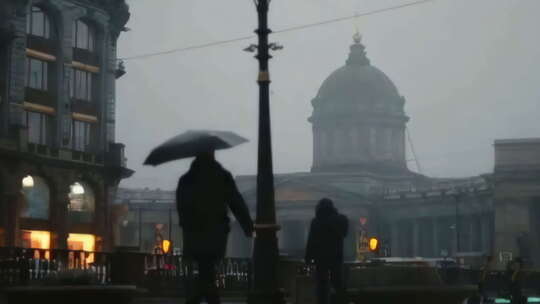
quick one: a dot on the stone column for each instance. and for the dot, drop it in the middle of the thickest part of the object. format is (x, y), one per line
(435, 227)
(324, 147)
(4, 100)
(415, 238)
(394, 240)
(16, 66)
(64, 115)
(484, 234)
(13, 202)
(372, 133)
(401, 147)
(350, 241)
(59, 215)
(104, 199)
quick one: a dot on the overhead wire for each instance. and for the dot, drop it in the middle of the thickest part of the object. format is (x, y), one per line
(285, 30)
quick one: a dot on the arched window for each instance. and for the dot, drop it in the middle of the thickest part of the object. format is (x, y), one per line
(38, 23)
(84, 36)
(36, 198)
(82, 203)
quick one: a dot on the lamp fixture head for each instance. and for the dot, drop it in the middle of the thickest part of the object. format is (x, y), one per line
(28, 182)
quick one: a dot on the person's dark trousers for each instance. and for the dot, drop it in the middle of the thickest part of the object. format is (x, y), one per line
(329, 275)
(517, 295)
(205, 286)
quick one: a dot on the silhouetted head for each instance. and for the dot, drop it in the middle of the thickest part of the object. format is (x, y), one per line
(325, 207)
(204, 162)
(205, 157)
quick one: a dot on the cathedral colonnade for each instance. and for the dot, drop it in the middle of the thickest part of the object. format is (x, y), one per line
(358, 144)
(437, 236)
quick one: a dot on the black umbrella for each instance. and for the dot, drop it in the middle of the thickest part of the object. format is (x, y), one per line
(191, 143)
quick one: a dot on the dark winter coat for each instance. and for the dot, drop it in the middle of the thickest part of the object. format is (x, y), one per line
(203, 197)
(326, 234)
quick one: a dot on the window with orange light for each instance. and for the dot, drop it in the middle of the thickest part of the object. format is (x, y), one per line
(36, 239)
(83, 242)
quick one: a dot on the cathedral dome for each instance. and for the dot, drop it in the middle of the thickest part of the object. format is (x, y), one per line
(358, 83)
(358, 119)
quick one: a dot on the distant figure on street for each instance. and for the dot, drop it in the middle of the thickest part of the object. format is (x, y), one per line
(486, 268)
(204, 196)
(325, 249)
(514, 279)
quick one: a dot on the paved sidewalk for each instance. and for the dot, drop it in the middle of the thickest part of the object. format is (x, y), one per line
(143, 300)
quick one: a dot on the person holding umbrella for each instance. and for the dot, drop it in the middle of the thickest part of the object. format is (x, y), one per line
(204, 196)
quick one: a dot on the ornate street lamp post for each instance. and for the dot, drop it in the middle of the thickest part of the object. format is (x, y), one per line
(265, 253)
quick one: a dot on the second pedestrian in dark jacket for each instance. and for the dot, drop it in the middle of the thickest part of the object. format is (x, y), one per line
(325, 248)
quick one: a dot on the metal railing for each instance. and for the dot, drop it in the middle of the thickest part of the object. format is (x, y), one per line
(23, 266)
(172, 274)
(160, 274)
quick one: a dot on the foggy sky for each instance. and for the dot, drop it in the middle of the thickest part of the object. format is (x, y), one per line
(468, 69)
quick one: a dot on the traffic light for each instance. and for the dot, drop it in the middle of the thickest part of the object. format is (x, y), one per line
(166, 246)
(374, 244)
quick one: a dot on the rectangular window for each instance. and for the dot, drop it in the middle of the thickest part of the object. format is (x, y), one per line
(80, 85)
(36, 74)
(37, 127)
(83, 36)
(81, 135)
(38, 23)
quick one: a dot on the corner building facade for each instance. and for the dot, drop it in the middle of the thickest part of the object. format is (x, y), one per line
(60, 163)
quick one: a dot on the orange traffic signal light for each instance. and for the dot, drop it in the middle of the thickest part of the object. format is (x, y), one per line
(373, 244)
(166, 246)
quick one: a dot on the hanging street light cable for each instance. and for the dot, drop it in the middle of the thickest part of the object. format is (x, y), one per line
(285, 30)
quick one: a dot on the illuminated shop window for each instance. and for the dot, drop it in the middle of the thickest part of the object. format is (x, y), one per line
(36, 239)
(82, 242)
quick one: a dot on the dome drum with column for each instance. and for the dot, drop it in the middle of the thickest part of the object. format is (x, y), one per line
(358, 119)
